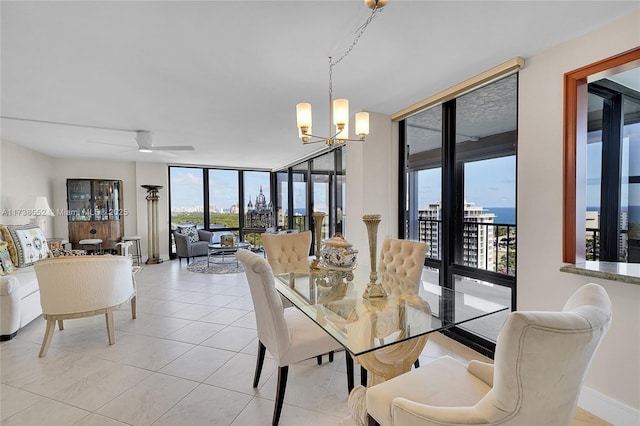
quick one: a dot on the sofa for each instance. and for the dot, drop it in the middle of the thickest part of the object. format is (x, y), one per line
(19, 292)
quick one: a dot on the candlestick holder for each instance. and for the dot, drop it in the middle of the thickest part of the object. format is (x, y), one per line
(374, 289)
(318, 217)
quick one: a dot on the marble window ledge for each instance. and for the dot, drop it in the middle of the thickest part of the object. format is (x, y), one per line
(614, 271)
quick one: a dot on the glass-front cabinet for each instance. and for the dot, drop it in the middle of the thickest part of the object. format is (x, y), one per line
(95, 210)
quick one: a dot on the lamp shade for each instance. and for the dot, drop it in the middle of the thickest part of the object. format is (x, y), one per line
(340, 112)
(41, 207)
(362, 124)
(303, 116)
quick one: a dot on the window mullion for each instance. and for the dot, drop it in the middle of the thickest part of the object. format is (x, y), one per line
(611, 179)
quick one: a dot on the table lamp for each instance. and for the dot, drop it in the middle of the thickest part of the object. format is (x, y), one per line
(39, 212)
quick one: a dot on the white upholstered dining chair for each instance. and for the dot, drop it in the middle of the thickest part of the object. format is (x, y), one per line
(82, 286)
(541, 360)
(403, 261)
(288, 252)
(289, 336)
(403, 258)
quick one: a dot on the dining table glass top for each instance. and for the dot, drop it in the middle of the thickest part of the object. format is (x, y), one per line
(333, 299)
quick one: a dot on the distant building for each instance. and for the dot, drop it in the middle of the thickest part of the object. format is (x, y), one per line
(259, 215)
(478, 247)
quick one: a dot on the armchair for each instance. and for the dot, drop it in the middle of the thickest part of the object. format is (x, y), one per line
(541, 360)
(82, 286)
(191, 242)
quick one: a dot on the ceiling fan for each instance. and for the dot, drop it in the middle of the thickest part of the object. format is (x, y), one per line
(145, 144)
(143, 137)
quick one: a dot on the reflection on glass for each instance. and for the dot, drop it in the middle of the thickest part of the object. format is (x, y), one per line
(481, 296)
(485, 149)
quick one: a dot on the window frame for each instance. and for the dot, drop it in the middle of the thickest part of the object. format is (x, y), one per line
(575, 133)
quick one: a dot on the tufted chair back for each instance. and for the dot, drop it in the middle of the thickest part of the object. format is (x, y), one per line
(404, 258)
(288, 252)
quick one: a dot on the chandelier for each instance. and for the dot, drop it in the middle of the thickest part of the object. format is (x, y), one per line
(338, 108)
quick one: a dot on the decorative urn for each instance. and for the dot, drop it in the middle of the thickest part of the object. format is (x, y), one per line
(336, 252)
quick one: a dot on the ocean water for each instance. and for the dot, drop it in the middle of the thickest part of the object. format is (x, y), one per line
(504, 215)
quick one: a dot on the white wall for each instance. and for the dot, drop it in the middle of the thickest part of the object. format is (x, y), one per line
(24, 174)
(615, 371)
(372, 184)
(153, 174)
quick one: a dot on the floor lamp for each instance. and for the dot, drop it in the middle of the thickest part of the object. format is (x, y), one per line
(152, 223)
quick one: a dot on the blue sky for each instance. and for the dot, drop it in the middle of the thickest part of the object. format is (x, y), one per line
(488, 183)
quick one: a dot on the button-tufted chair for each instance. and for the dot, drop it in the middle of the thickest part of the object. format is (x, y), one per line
(541, 360)
(288, 252)
(404, 258)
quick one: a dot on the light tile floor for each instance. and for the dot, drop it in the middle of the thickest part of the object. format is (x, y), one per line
(188, 359)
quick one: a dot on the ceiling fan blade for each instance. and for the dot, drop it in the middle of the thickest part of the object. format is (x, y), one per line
(110, 144)
(173, 148)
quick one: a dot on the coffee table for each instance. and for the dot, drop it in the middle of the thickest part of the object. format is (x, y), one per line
(216, 249)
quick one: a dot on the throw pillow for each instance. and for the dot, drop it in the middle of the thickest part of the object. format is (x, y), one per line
(6, 265)
(57, 252)
(29, 243)
(191, 233)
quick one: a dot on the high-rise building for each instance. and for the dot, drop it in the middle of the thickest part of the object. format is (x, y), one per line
(478, 246)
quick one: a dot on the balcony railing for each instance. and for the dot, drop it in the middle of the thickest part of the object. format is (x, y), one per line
(487, 246)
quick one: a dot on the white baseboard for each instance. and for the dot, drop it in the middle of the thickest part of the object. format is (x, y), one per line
(608, 409)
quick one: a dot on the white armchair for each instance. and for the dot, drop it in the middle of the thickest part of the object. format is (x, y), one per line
(83, 286)
(540, 362)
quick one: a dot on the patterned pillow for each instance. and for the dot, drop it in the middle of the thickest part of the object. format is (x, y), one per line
(6, 265)
(56, 252)
(191, 233)
(27, 244)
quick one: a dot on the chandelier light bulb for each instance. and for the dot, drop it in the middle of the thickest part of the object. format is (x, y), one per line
(303, 114)
(362, 124)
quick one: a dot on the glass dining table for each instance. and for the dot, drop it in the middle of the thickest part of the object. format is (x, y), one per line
(385, 335)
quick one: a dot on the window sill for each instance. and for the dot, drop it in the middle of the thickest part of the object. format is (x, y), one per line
(614, 271)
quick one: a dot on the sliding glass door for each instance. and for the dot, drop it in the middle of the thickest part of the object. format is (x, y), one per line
(460, 194)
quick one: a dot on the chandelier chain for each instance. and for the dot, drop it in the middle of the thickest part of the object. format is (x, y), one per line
(359, 33)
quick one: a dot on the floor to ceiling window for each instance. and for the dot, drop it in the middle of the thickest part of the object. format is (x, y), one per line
(238, 201)
(316, 184)
(460, 197)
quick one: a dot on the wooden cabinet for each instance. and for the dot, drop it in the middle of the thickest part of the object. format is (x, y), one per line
(95, 211)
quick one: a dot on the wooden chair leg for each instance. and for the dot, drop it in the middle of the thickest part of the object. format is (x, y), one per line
(371, 421)
(48, 334)
(60, 325)
(259, 362)
(110, 326)
(349, 361)
(283, 372)
(134, 311)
